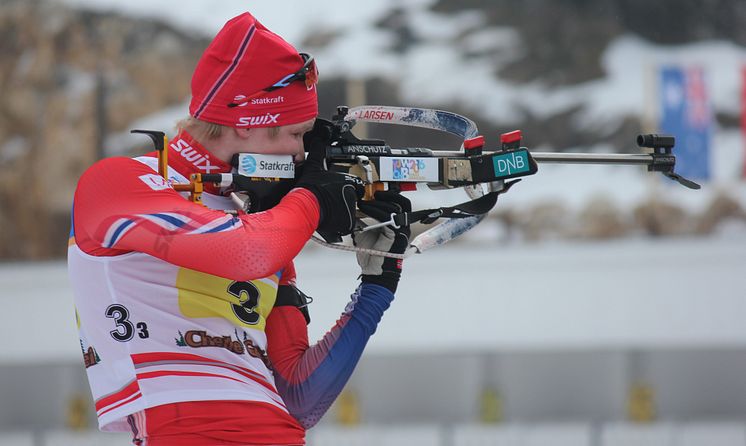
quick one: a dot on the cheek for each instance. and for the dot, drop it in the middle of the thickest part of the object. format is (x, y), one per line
(283, 145)
(286, 145)
(295, 144)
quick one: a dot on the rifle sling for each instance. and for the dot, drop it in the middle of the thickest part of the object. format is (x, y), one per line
(471, 208)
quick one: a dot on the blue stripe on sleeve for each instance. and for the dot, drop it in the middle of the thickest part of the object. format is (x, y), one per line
(222, 227)
(119, 230)
(72, 221)
(170, 219)
(309, 400)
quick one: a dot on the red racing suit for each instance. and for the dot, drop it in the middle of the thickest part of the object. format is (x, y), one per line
(175, 305)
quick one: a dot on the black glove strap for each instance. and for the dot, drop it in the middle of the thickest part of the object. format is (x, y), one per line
(289, 295)
(471, 208)
(388, 280)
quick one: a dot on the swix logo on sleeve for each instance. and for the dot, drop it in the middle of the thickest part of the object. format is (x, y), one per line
(155, 182)
(248, 121)
(200, 161)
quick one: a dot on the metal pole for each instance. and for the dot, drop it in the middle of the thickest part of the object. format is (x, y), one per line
(592, 158)
(577, 158)
(356, 95)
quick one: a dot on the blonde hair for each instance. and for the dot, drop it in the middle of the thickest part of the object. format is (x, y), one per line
(207, 131)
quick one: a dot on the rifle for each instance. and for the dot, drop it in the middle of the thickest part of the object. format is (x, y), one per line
(381, 166)
(484, 175)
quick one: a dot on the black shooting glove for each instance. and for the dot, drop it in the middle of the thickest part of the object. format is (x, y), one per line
(384, 271)
(336, 192)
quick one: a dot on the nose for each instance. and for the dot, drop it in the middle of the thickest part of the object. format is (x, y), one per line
(300, 155)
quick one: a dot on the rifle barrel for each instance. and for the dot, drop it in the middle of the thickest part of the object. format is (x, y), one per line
(578, 158)
(593, 158)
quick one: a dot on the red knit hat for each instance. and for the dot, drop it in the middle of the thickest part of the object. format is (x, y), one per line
(230, 83)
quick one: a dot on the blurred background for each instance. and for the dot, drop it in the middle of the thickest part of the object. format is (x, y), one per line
(596, 305)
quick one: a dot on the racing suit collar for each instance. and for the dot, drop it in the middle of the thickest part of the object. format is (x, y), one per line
(188, 156)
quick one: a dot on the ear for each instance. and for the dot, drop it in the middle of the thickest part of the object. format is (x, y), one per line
(242, 133)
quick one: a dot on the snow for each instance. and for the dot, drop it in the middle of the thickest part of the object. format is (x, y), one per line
(642, 293)
(39, 313)
(362, 50)
(504, 39)
(439, 27)
(608, 295)
(436, 71)
(631, 64)
(293, 20)
(165, 120)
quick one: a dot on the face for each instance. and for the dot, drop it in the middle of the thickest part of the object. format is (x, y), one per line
(289, 141)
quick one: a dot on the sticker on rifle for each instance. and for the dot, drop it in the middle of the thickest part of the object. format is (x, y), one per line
(409, 169)
(512, 163)
(266, 166)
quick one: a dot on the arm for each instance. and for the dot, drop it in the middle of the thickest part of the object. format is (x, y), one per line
(310, 378)
(119, 207)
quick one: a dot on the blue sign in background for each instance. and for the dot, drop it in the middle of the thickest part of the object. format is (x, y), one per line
(686, 114)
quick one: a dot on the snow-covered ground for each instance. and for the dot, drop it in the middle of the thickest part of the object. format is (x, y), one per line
(686, 292)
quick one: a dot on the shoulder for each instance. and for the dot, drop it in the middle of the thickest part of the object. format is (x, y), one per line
(118, 165)
(120, 170)
(120, 180)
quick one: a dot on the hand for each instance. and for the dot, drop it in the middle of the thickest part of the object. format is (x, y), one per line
(315, 142)
(384, 271)
(337, 193)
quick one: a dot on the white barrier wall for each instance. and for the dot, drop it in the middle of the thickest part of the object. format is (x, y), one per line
(561, 332)
(710, 433)
(541, 386)
(424, 435)
(671, 434)
(67, 438)
(488, 297)
(533, 387)
(16, 439)
(548, 434)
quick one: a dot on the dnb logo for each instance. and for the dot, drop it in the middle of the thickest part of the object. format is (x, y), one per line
(248, 164)
(244, 304)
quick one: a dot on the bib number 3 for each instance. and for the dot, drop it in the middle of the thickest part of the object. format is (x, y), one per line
(125, 329)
